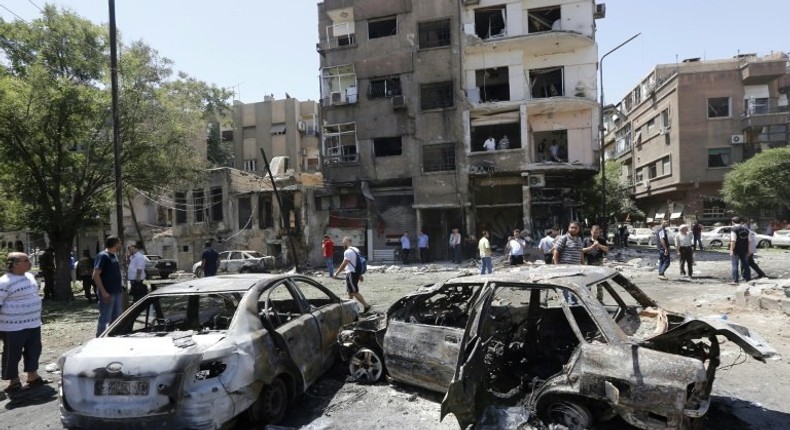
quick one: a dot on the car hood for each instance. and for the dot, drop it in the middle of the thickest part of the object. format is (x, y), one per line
(696, 328)
(138, 355)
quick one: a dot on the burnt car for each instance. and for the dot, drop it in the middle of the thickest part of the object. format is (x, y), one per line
(198, 354)
(573, 344)
(159, 266)
(239, 262)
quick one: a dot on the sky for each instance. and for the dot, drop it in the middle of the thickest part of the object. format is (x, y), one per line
(261, 47)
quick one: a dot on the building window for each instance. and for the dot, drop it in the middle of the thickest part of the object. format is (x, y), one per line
(666, 166)
(719, 157)
(651, 171)
(651, 126)
(265, 212)
(250, 165)
(438, 158)
(216, 204)
(665, 120)
(434, 34)
(277, 129)
(382, 27)
(227, 135)
(713, 208)
(494, 84)
(551, 145)
(386, 87)
(719, 107)
(245, 213)
(753, 106)
(387, 146)
(546, 82)
(438, 95)
(640, 176)
(199, 204)
(490, 22)
(181, 208)
(338, 85)
(340, 34)
(544, 19)
(340, 143)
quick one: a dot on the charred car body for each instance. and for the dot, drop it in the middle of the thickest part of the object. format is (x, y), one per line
(239, 262)
(198, 354)
(515, 340)
(159, 266)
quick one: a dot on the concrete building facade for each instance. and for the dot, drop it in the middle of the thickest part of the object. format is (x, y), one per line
(683, 127)
(410, 92)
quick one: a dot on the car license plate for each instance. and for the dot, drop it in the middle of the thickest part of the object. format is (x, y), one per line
(116, 387)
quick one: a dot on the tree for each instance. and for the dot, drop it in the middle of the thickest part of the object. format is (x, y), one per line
(619, 202)
(759, 183)
(56, 151)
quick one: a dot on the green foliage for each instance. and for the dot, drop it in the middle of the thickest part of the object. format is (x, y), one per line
(56, 146)
(759, 183)
(619, 202)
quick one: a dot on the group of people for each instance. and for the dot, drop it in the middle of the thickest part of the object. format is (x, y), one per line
(491, 144)
(549, 152)
(422, 247)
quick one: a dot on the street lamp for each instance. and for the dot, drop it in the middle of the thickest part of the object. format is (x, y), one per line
(601, 134)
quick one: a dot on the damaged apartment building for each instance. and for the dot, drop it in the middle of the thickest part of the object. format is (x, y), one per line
(236, 207)
(680, 130)
(469, 114)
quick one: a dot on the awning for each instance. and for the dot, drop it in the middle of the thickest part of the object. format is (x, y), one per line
(659, 216)
(676, 215)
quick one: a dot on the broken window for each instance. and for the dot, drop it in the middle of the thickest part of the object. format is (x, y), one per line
(338, 85)
(387, 146)
(277, 129)
(434, 34)
(203, 312)
(386, 87)
(447, 307)
(265, 212)
(340, 34)
(181, 207)
(494, 84)
(277, 306)
(382, 27)
(245, 213)
(506, 136)
(719, 157)
(544, 19)
(551, 145)
(250, 165)
(719, 107)
(437, 95)
(491, 22)
(340, 143)
(216, 204)
(316, 295)
(438, 158)
(546, 82)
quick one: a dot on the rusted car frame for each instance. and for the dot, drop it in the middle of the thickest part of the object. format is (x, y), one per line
(198, 354)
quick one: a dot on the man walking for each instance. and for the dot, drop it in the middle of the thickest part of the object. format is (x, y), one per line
(107, 276)
(455, 245)
(20, 323)
(740, 250)
(209, 260)
(696, 231)
(405, 248)
(515, 247)
(47, 265)
(328, 251)
(85, 273)
(684, 243)
(662, 245)
(353, 277)
(485, 254)
(422, 244)
(136, 274)
(546, 245)
(753, 264)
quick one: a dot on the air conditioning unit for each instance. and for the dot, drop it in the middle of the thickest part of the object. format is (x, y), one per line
(471, 2)
(398, 102)
(337, 97)
(537, 180)
(600, 11)
(736, 139)
(301, 126)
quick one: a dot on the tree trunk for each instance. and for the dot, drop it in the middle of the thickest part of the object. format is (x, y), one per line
(62, 246)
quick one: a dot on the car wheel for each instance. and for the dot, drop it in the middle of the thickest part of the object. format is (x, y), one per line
(715, 243)
(366, 366)
(271, 405)
(198, 272)
(764, 244)
(568, 413)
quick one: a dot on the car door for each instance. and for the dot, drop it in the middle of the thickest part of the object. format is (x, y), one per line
(289, 316)
(223, 262)
(327, 310)
(235, 261)
(422, 343)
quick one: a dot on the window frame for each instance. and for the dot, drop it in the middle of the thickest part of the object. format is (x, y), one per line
(391, 87)
(340, 152)
(437, 95)
(437, 27)
(720, 151)
(380, 24)
(446, 154)
(712, 110)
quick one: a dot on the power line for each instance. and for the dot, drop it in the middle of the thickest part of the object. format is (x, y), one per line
(37, 7)
(13, 13)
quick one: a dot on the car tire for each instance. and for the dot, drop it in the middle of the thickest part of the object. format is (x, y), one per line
(366, 366)
(198, 272)
(715, 243)
(271, 405)
(567, 412)
(764, 244)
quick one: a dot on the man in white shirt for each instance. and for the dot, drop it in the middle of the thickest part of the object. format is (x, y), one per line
(136, 274)
(515, 247)
(405, 247)
(489, 144)
(547, 244)
(455, 245)
(353, 277)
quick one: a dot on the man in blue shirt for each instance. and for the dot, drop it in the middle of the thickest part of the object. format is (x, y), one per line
(109, 284)
(209, 261)
(422, 243)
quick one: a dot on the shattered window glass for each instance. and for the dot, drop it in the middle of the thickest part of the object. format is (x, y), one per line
(165, 314)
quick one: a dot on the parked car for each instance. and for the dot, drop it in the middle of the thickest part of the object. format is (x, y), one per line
(239, 262)
(642, 236)
(715, 237)
(199, 353)
(159, 266)
(781, 238)
(513, 338)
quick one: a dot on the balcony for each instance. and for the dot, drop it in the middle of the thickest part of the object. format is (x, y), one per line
(762, 116)
(762, 72)
(499, 161)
